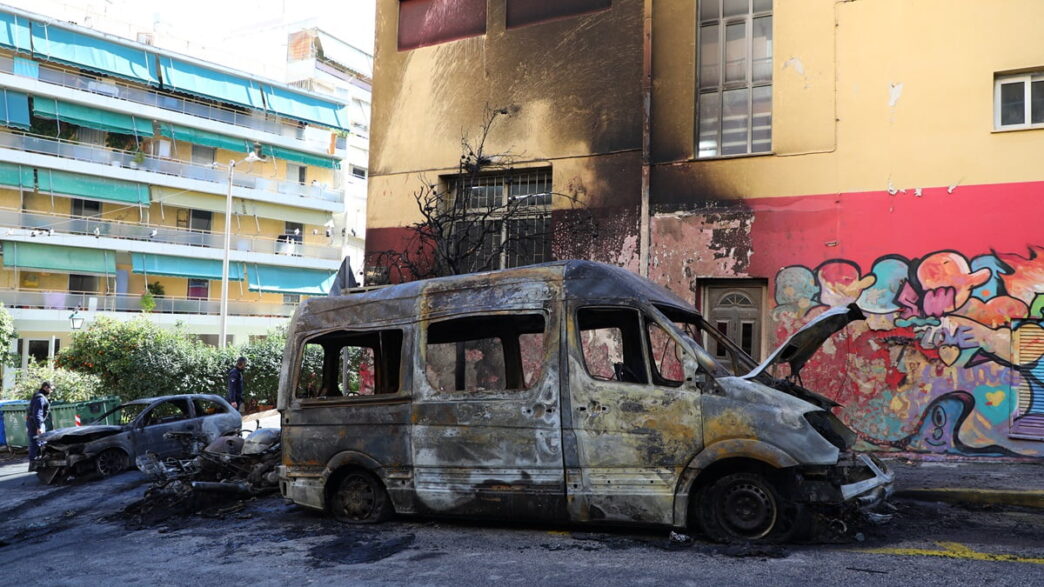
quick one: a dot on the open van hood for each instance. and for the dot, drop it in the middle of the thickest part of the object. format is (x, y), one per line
(804, 343)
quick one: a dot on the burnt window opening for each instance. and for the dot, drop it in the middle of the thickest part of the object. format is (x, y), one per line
(485, 353)
(667, 368)
(350, 364)
(501, 220)
(430, 22)
(523, 12)
(206, 407)
(611, 343)
(168, 411)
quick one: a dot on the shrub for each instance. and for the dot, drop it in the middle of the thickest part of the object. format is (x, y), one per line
(70, 386)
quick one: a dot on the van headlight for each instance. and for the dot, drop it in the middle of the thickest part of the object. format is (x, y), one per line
(829, 427)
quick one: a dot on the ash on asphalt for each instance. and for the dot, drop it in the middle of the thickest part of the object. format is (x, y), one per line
(352, 548)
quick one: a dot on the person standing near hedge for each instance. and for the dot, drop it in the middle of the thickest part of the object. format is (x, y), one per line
(35, 417)
(235, 384)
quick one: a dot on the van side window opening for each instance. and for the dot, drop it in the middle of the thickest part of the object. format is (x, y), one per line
(611, 341)
(667, 368)
(485, 353)
(350, 364)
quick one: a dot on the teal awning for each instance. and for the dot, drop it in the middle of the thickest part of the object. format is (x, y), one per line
(14, 32)
(306, 108)
(58, 258)
(299, 157)
(193, 79)
(26, 68)
(183, 267)
(205, 138)
(290, 280)
(91, 117)
(93, 187)
(89, 52)
(16, 176)
(14, 109)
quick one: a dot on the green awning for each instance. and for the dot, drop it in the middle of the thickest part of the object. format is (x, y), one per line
(205, 138)
(16, 176)
(92, 187)
(183, 267)
(304, 107)
(58, 258)
(209, 83)
(14, 109)
(299, 157)
(91, 117)
(290, 280)
(90, 52)
(14, 32)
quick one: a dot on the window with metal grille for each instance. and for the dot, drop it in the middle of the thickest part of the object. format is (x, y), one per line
(734, 109)
(507, 218)
(1027, 419)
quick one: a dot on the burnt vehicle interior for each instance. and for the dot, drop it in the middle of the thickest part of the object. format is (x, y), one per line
(490, 352)
(344, 363)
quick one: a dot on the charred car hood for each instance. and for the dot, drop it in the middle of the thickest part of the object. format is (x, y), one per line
(81, 433)
(804, 343)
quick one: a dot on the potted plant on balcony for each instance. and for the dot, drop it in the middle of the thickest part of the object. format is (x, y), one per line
(138, 159)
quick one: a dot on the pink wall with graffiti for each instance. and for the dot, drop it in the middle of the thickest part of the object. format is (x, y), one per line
(945, 277)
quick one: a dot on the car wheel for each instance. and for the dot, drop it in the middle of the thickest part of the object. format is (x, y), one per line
(746, 507)
(111, 461)
(359, 498)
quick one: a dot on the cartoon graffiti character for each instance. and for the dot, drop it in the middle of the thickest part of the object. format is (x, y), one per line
(940, 427)
(890, 275)
(840, 282)
(947, 282)
(796, 290)
(1023, 277)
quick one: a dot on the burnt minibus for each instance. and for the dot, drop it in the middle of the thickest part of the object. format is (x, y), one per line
(568, 391)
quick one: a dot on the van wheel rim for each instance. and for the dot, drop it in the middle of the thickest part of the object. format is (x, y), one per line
(748, 510)
(357, 498)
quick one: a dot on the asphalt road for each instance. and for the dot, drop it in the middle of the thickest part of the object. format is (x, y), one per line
(79, 534)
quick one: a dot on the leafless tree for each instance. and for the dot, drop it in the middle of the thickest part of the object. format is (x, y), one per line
(483, 216)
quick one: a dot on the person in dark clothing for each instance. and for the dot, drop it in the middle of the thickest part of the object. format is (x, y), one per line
(35, 416)
(235, 384)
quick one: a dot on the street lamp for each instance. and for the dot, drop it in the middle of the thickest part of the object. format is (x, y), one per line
(75, 320)
(251, 156)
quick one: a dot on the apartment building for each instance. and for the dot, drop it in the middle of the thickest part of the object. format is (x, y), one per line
(769, 159)
(117, 162)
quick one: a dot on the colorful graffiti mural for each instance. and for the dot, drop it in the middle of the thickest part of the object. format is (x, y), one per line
(933, 368)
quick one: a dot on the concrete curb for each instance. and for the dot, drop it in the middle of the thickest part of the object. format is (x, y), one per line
(1002, 497)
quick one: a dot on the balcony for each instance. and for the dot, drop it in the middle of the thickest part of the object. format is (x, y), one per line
(120, 90)
(59, 300)
(210, 173)
(86, 226)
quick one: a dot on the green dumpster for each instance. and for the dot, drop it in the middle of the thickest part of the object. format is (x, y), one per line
(63, 415)
(14, 423)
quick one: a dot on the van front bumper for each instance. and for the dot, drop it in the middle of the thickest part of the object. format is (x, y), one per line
(869, 493)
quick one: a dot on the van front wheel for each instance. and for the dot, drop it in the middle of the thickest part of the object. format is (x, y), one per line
(745, 507)
(360, 499)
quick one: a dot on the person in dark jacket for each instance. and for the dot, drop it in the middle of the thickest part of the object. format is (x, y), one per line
(235, 384)
(35, 416)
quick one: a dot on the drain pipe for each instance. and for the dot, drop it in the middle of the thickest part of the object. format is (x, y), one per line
(643, 226)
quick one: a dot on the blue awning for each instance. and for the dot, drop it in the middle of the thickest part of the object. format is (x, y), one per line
(66, 46)
(183, 267)
(306, 108)
(193, 79)
(290, 280)
(26, 68)
(92, 187)
(14, 109)
(14, 32)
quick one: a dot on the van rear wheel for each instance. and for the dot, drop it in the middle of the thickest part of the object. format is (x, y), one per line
(746, 507)
(360, 499)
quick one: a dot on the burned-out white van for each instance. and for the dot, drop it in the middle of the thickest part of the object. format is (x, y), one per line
(565, 391)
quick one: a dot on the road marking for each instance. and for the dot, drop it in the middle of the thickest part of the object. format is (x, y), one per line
(558, 532)
(955, 550)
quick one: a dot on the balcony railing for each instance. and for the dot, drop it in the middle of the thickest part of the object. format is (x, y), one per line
(123, 91)
(57, 300)
(87, 226)
(209, 173)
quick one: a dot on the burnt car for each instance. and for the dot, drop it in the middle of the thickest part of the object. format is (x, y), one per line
(144, 427)
(569, 391)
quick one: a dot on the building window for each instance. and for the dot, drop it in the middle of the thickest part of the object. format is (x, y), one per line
(1019, 101)
(734, 110)
(83, 283)
(523, 12)
(203, 155)
(505, 220)
(91, 136)
(298, 173)
(86, 208)
(201, 220)
(198, 289)
(294, 231)
(359, 172)
(429, 22)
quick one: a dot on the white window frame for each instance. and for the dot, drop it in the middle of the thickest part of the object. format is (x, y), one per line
(1027, 80)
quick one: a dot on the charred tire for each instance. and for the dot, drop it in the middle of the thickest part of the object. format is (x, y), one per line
(359, 498)
(747, 507)
(111, 461)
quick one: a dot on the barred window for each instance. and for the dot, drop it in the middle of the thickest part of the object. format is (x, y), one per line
(734, 77)
(507, 219)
